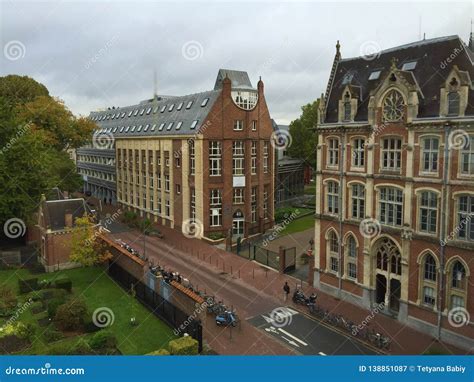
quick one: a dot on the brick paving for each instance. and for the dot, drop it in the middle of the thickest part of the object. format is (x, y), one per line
(254, 289)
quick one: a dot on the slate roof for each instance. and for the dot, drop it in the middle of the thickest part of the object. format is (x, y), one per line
(166, 115)
(238, 79)
(54, 212)
(432, 68)
(158, 116)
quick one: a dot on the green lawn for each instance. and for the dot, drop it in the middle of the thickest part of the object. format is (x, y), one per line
(299, 225)
(98, 290)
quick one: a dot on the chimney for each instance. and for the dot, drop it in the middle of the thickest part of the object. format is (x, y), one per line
(226, 86)
(260, 87)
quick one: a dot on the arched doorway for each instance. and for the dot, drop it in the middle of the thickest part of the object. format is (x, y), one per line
(388, 271)
(238, 224)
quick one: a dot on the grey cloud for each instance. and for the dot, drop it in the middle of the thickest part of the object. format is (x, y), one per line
(99, 54)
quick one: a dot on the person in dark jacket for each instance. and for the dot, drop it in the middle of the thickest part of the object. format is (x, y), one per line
(286, 290)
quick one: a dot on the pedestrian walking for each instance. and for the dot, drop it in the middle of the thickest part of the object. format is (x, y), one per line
(286, 290)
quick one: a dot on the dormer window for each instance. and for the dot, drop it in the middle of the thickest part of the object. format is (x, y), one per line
(393, 106)
(347, 107)
(409, 65)
(375, 75)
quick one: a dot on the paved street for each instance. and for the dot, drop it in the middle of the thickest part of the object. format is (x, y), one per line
(306, 335)
(254, 291)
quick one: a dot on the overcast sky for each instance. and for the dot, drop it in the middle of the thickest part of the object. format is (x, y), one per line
(95, 54)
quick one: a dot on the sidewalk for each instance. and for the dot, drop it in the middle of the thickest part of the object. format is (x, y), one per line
(265, 285)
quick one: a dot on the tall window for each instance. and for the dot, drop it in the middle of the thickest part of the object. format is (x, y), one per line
(333, 197)
(429, 280)
(351, 256)
(430, 154)
(167, 207)
(333, 152)
(238, 158)
(453, 103)
(457, 285)
(254, 205)
(393, 107)
(358, 153)
(215, 158)
(428, 211)
(465, 223)
(254, 158)
(390, 206)
(467, 157)
(265, 157)
(167, 183)
(358, 201)
(192, 157)
(333, 250)
(215, 204)
(347, 107)
(391, 154)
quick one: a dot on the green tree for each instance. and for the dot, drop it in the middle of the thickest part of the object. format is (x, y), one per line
(303, 134)
(35, 132)
(86, 247)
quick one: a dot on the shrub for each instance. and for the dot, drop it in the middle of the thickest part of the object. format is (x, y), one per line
(53, 306)
(28, 285)
(216, 235)
(184, 346)
(90, 327)
(82, 348)
(160, 352)
(19, 330)
(52, 335)
(63, 282)
(103, 340)
(7, 301)
(37, 268)
(71, 315)
(283, 213)
(44, 284)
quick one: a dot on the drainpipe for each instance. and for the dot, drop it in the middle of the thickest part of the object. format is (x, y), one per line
(341, 200)
(443, 228)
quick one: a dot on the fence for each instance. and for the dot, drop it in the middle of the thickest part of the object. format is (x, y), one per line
(157, 304)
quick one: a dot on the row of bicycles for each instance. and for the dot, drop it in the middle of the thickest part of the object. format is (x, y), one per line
(337, 320)
(224, 316)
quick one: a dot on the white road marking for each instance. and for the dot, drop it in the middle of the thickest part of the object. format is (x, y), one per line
(292, 336)
(291, 342)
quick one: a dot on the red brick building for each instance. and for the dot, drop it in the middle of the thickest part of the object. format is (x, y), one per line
(395, 185)
(202, 163)
(56, 218)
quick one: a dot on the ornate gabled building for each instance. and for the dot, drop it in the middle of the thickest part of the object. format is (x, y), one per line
(204, 157)
(395, 185)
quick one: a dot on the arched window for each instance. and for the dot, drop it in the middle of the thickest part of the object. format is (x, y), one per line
(430, 268)
(428, 280)
(393, 106)
(458, 276)
(457, 282)
(351, 257)
(333, 251)
(453, 103)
